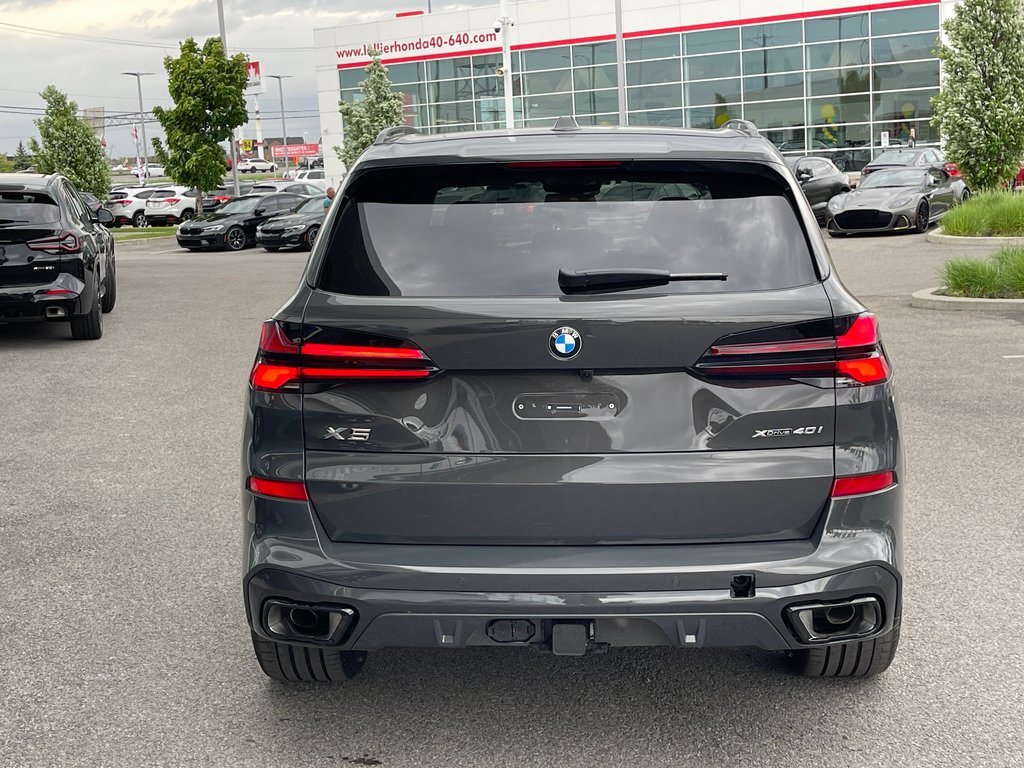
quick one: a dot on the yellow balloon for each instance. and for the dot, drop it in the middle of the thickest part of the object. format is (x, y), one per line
(909, 110)
(828, 112)
(721, 119)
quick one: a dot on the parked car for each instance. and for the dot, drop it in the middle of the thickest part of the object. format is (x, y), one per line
(820, 180)
(896, 199)
(298, 227)
(170, 205)
(56, 256)
(152, 170)
(128, 205)
(904, 158)
(256, 165)
(458, 435)
(286, 185)
(215, 198)
(233, 225)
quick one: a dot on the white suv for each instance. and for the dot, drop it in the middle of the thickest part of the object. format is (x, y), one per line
(129, 205)
(256, 165)
(170, 205)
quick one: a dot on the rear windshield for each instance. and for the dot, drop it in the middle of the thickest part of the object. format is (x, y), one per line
(27, 208)
(895, 156)
(491, 230)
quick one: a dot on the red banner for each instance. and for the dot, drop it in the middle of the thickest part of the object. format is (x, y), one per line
(296, 150)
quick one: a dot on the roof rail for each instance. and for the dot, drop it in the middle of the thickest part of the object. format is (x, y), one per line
(743, 126)
(565, 123)
(389, 135)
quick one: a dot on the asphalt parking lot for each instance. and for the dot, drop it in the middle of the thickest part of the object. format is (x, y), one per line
(122, 637)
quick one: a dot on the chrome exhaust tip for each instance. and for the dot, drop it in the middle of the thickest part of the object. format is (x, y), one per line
(836, 620)
(56, 312)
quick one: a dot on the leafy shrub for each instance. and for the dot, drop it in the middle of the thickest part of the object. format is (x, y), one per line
(999, 214)
(999, 277)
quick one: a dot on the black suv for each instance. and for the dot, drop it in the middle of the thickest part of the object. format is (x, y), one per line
(56, 256)
(574, 421)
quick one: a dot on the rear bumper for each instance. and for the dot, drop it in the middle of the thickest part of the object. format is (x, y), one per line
(29, 302)
(448, 596)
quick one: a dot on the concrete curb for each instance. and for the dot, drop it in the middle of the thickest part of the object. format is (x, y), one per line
(928, 299)
(938, 237)
(140, 240)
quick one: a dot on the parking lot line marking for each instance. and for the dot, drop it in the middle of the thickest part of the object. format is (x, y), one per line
(1013, 357)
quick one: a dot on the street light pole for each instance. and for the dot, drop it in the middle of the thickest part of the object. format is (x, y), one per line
(142, 125)
(506, 24)
(234, 148)
(284, 127)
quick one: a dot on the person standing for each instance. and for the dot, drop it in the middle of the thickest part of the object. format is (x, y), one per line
(330, 196)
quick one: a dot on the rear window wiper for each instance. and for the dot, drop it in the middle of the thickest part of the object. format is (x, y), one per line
(609, 280)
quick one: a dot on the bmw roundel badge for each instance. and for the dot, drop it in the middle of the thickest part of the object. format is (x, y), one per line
(565, 343)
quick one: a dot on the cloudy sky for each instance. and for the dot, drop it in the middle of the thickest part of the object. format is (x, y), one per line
(41, 42)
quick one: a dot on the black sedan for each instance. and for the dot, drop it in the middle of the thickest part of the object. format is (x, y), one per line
(233, 225)
(904, 199)
(298, 227)
(820, 181)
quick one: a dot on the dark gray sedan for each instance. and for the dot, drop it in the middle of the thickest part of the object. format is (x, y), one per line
(909, 199)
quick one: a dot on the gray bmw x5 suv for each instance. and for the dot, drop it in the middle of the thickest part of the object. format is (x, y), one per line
(507, 408)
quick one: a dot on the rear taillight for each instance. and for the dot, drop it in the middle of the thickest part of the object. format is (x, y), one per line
(858, 484)
(279, 489)
(65, 242)
(171, 200)
(284, 363)
(853, 355)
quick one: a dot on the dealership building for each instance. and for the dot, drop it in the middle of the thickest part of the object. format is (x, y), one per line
(815, 76)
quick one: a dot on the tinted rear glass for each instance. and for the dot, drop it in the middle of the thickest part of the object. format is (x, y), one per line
(489, 230)
(28, 208)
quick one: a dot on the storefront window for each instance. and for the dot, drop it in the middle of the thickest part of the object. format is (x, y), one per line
(596, 77)
(411, 72)
(712, 117)
(770, 35)
(766, 87)
(650, 72)
(904, 48)
(546, 58)
(712, 92)
(653, 97)
(593, 53)
(775, 114)
(555, 105)
(854, 108)
(836, 28)
(450, 90)
(591, 102)
(712, 41)
(826, 82)
(903, 106)
(850, 53)
(673, 117)
(720, 65)
(548, 82)
(918, 74)
(902, 20)
(659, 47)
(773, 60)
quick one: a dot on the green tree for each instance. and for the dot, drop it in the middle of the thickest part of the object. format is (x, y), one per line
(379, 108)
(207, 90)
(978, 109)
(67, 145)
(6, 166)
(22, 158)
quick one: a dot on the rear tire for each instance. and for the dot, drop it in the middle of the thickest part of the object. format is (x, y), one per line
(298, 664)
(89, 326)
(139, 219)
(110, 294)
(865, 658)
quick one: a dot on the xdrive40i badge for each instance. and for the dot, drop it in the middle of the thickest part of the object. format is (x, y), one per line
(786, 431)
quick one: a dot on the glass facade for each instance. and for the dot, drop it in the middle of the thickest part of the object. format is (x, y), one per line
(828, 85)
